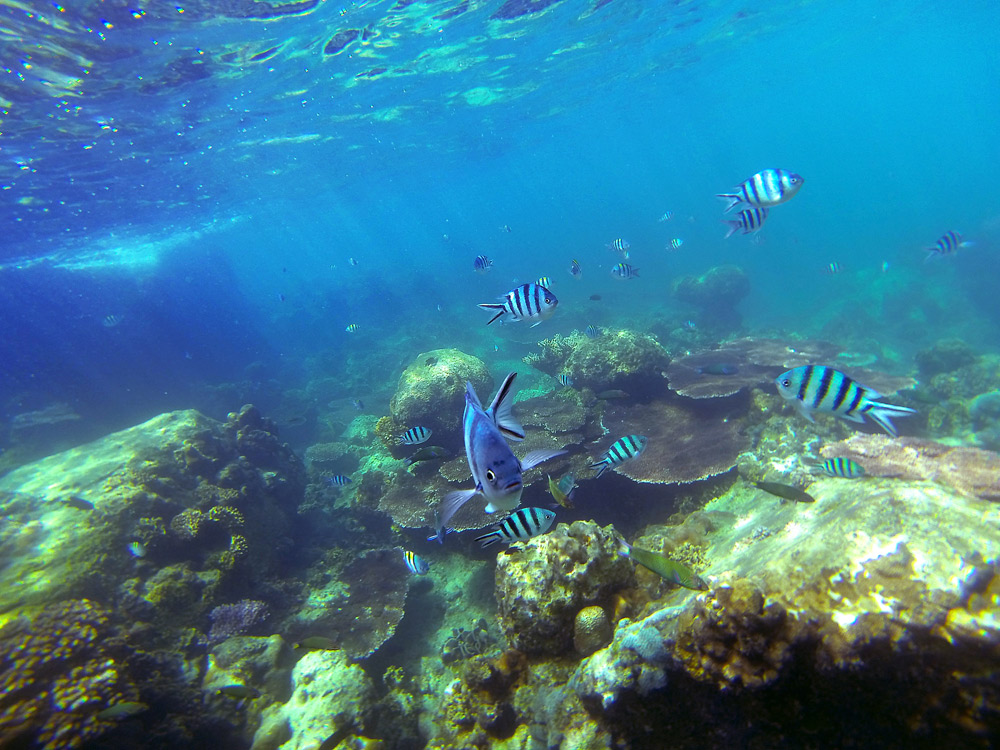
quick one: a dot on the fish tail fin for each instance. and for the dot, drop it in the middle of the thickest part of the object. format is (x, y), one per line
(734, 227)
(499, 308)
(501, 410)
(601, 467)
(624, 549)
(536, 457)
(487, 539)
(732, 200)
(882, 414)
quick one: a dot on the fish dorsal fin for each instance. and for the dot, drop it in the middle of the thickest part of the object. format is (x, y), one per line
(471, 397)
(501, 411)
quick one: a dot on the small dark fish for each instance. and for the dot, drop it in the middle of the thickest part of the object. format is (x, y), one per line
(592, 332)
(358, 404)
(611, 394)
(111, 321)
(506, 228)
(595, 298)
(75, 501)
(317, 643)
(719, 368)
(295, 421)
(481, 264)
(238, 692)
(337, 737)
(417, 565)
(338, 480)
(786, 491)
(352, 261)
(119, 711)
(832, 268)
(281, 297)
(575, 270)
(428, 453)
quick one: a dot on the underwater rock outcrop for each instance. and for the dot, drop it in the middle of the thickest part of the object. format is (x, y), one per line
(618, 360)
(716, 294)
(970, 470)
(857, 594)
(431, 393)
(541, 587)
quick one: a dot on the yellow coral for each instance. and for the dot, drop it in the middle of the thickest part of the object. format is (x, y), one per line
(187, 523)
(229, 517)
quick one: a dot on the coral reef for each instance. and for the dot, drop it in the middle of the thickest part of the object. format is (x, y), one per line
(58, 670)
(462, 643)
(330, 698)
(229, 620)
(946, 355)
(618, 360)
(541, 588)
(361, 607)
(686, 442)
(591, 630)
(970, 470)
(431, 393)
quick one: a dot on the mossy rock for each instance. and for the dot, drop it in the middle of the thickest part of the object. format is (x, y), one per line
(431, 393)
(625, 360)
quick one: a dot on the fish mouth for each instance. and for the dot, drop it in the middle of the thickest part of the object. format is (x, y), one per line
(512, 487)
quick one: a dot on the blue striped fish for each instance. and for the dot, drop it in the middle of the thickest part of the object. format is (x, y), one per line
(841, 467)
(526, 302)
(619, 246)
(947, 244)
(519, 527)
(338, 480)
(415, 436)
(767, 188)
(675, 244)
(575, 270)
(813, 388)
(481, 264)
(748, 222)
(624, 271)
(565, 380)
(417, 565)
(544, 281)
(622, 450)
(352, 328)
(592, 332)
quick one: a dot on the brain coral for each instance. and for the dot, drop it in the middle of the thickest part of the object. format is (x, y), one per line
(431, 392)
(541, 589)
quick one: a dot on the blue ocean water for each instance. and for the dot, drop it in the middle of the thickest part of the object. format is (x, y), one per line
(207, 177)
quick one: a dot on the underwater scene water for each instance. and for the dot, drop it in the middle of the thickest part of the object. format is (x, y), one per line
(520, 374)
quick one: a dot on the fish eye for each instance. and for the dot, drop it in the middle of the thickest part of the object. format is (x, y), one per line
(796, 180)
(548, 300)
(490, 476)
(786, 382)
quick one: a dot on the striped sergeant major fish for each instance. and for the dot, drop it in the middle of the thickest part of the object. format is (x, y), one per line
(338, 480)
(623, 449)
(415, 436)
(841, 467)
(765, 189)
(544, 281)
(417, 565)
(624, 271)
(526, 302)
(947, 244)
(813, 388)
(592, 332)
(565, 380)
(575, 270)
(619, 246)
(482, 264)
(519, 526)
(749, 221)
(494, 467)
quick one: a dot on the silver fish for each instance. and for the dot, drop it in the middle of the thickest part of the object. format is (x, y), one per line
(495, 469)
(766, 188)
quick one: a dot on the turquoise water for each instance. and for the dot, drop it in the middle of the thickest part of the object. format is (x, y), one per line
(200, 199)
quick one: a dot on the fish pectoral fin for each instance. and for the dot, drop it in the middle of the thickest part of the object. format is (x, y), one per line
(536, 457)
(452, 502)
(804, 411)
